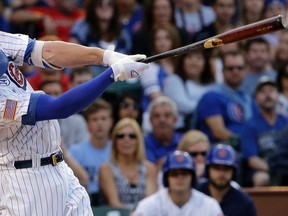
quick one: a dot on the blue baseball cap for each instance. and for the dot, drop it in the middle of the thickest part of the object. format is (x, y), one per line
(269, 2)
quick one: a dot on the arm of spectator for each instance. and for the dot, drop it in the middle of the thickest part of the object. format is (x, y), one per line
(150, 83)
(184, 104)
(151, 180)
(258, 163)
(217, 127)
(107, 185)
(25, 15)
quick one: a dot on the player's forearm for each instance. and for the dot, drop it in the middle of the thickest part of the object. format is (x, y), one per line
(62, 54)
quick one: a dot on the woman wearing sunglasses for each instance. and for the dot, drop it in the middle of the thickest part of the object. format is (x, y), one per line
(197, 145)
(127, 177)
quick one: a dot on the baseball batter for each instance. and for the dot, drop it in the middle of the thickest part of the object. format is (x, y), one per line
(34, 179)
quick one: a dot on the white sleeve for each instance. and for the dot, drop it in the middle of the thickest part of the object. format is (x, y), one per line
(147, 207)
(215, 209)
(14, 45)
(149, 80)
(12, 107)
(184, 104)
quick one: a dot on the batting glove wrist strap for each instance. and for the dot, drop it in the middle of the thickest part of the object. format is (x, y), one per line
(128, 68)
(110, 57)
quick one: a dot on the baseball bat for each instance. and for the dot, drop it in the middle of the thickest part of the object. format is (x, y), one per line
(235, 35)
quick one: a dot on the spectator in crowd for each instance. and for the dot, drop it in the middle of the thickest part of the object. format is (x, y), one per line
(130, 14)
(155, 12)
(193, 16)
(281, 51)
(216, 59)
(91, 153)
(258, 140)
(57, 19)
(80, 75)
(23, 19)
(127, 177)
(165, 38)
(221, 168)
(128, 106)
(225, 11)
(274, 8)
(163, 139)
(258, 61)
(43, 74)
(73, 128)
(101, 27)
(179, 197)
(251, 11)
(222, 111)
(4, 20)
(282, 84)
(192, 78)
(197, 145)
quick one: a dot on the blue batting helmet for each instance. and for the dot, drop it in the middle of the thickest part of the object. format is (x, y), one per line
(222, 154)
(3, 62)
(178, 160)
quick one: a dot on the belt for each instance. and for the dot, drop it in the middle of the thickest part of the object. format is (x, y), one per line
(53, 159)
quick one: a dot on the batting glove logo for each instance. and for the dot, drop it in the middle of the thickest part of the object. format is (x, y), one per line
(134, 73)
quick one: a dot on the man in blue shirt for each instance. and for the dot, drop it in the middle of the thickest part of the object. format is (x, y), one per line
(222, 111)
(163, 139)
(260, 134)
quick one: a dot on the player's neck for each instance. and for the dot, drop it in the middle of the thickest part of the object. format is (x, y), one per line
(180, 198)
(218, 193)
(126, 160)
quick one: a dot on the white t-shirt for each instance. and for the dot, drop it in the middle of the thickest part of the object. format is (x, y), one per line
(160, 204)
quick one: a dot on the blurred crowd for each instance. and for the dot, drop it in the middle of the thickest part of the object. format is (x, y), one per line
(236, 94)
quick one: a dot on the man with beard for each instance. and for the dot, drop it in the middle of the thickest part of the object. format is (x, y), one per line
(262, 133)
(221, 168)
(179, 196)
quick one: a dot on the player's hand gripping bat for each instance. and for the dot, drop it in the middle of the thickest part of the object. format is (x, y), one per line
(235, 35)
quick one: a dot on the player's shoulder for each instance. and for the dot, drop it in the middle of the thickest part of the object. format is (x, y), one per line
(240, 195)
(151, 200)
(203, 199)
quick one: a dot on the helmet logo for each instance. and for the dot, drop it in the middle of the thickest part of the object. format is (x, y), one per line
(179, 158)
(222, 153)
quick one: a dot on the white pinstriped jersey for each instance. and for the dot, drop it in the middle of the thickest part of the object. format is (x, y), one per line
(40, 190)
(19, 141)
(160, 204)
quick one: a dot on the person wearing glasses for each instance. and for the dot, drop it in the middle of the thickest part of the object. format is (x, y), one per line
(128, 106)
(127, 177)
(197, 144)
(223, 110)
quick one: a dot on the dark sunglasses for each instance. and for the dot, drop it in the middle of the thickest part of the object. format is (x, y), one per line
(195, 154)
(127, 105)
(129, 135)
(177, 172)
(232, 68)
